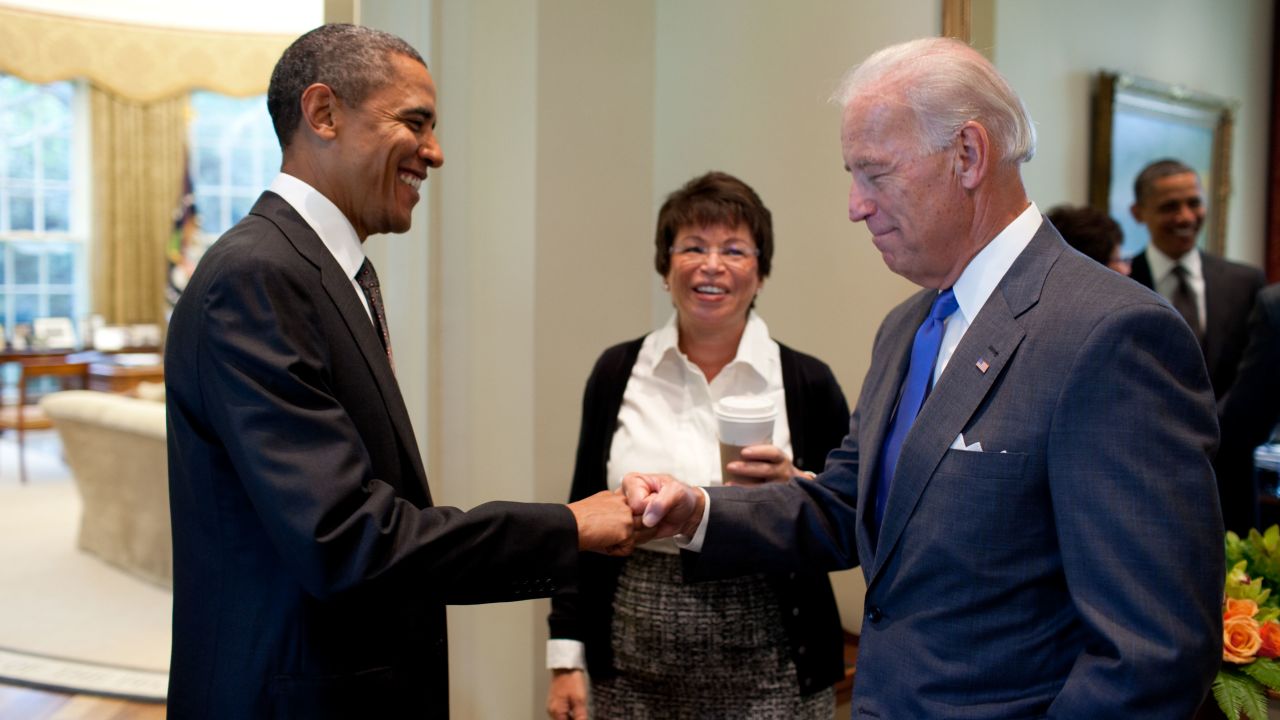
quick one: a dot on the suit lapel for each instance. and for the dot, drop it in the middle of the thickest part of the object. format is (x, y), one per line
(991, 340)
(1214, 309)
(342, 293)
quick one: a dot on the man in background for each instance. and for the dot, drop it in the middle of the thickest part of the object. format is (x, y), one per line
(311, 566)
(1026, 480)
(1213, 294)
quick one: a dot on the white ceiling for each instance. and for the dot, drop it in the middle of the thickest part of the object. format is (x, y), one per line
(289, 17)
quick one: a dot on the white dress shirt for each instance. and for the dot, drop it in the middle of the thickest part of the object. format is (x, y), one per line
(976, 283)
(1166, 283)
(667, 423)
(334, 229)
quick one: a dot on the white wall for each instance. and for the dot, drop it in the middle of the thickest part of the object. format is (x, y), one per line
(1051, 52)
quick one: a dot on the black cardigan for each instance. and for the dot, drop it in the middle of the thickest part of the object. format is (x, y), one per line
(818, 417)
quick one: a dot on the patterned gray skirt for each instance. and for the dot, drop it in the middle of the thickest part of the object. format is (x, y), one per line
(703, 650)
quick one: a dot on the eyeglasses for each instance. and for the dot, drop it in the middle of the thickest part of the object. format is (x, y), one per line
(735, 255)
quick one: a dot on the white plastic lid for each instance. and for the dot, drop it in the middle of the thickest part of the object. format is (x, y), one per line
(746, 407)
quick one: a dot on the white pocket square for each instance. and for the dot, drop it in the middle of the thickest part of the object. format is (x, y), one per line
(958, 444)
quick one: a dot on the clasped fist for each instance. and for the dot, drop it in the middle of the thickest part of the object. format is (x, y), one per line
(605, 523)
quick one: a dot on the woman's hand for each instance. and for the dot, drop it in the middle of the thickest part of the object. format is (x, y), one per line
(760, 464)
(567, 696)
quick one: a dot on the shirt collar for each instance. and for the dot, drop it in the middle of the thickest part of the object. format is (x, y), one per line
(985, 271)
(753, 348)
(334, 229)
(1161, 265)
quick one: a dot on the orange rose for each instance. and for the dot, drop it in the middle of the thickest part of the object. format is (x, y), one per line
(1240, 639)
(1270, 633)
(1239, 608)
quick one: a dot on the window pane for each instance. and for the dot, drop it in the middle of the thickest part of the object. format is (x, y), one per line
(240, 206)
(57, 211)
(3, 277)
(62, 266)
(207, 164)
(26, 266)
(57, 157)
(26, 307)
(209, 207)
(22, 212)
(61, 306)
(22, 161)
(242, 170)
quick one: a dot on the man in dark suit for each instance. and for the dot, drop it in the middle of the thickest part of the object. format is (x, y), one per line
(1213, 294)
(311, 567)
(1250, 411)
(1026, 479)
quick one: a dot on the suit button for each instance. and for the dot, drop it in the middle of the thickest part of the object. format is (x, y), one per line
(874, 614)
(795, 612)
(800, 650)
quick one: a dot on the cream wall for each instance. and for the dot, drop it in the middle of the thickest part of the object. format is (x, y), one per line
(564, 124)
(1221, 48)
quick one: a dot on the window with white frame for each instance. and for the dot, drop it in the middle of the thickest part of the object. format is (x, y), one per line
(234, 156)
(42, 231)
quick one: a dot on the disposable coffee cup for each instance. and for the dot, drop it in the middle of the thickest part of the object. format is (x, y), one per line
(742, 421)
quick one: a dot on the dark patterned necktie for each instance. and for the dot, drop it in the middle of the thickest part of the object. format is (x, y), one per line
(1184, 301)
(368, 280)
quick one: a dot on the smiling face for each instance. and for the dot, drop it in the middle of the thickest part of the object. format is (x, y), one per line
(1173, 210)
(385, 146)
(710, 293)
(909, 196)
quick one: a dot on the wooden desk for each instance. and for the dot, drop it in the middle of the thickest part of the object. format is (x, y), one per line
(109, 377)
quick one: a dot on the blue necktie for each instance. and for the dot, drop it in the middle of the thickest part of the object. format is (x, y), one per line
(924, 353)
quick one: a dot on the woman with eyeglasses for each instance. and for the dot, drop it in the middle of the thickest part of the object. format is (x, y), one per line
(653, 646)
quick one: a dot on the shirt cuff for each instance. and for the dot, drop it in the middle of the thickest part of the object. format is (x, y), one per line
(566, 655)
(694, 544)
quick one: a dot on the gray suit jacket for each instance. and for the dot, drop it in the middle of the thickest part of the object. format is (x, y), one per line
(1072, 569)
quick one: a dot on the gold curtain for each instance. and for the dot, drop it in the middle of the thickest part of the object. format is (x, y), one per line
(137, 181)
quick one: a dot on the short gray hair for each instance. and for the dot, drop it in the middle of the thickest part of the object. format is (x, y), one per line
(946, 84)
(352, 60)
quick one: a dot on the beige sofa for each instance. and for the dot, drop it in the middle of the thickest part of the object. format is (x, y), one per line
(115, 446)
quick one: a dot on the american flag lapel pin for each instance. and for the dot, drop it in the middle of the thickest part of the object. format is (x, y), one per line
(982, 365)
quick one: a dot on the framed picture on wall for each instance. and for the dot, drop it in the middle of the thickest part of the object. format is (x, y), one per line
(1137, 121)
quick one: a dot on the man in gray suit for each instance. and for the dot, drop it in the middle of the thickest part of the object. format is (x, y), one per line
(1026, 480)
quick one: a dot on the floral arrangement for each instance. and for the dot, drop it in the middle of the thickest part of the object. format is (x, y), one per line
(1250, 625)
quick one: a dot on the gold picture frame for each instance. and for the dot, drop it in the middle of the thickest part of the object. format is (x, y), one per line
(1137, 121)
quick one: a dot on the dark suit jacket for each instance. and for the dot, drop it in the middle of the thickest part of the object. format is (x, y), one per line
(1251, 409)
(311, 569)
(1073, 568)
(817, 415)
(1229, 290)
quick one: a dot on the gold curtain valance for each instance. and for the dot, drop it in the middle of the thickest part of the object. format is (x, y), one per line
(135, 62)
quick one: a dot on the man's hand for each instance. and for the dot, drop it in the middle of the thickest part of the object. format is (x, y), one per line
(605, 524)
(567, 696)
(760, 464)
(663, 504)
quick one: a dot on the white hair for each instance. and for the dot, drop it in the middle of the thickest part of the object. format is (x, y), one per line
(946, 84)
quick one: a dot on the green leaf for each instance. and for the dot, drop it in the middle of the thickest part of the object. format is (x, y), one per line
(1264, 671)
(1238, 694)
